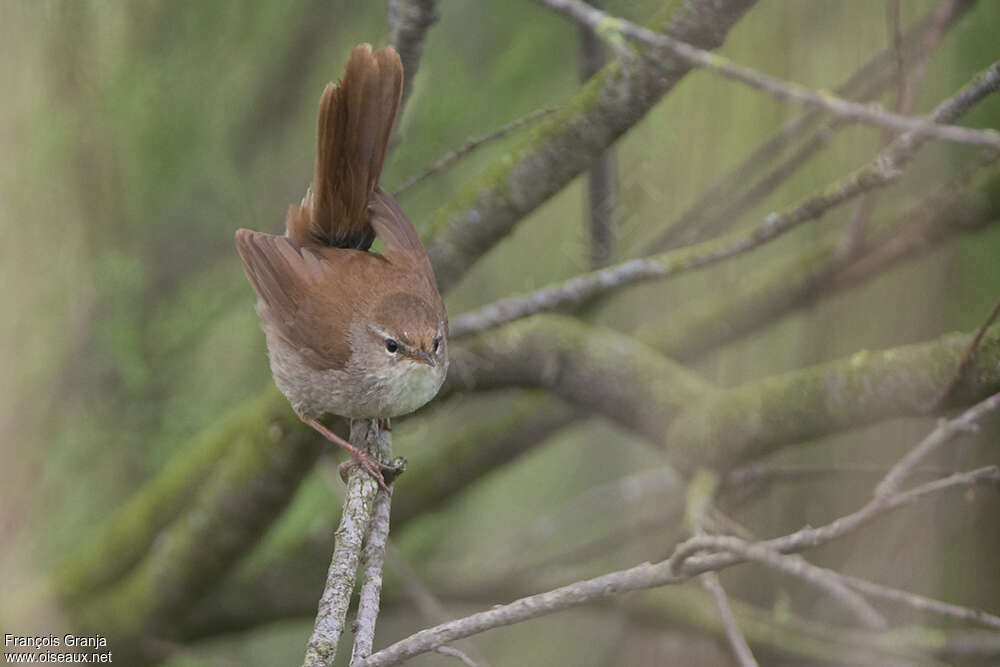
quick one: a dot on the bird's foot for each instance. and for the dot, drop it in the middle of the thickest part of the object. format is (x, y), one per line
(383, 473)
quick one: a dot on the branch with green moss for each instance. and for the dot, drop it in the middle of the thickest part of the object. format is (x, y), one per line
(733, 426)
(569, 141)
(245, 492)
(492, 432)
(595, 369)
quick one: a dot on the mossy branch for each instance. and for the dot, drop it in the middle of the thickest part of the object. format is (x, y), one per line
(760, 417)
(226, 517)
(569, 141)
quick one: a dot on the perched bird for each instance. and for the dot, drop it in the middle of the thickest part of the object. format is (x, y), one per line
(350, 332)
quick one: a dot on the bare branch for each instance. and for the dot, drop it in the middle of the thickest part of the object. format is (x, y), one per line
(719, 202)
(409, 21)
(568, 142)
(809, 538)
(792, 565)
(700, 496)
(373, 556)
(744, 656)
(454, 156)
(922, 603)
(945, 432)
(355, 520)
(884, 169)
(643, 576)
(695, 57)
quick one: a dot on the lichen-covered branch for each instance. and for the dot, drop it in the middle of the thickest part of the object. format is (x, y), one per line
(355, 521)
(227, 515)
(748, 421)
(595, 369)
(569, 141)
(129, 532)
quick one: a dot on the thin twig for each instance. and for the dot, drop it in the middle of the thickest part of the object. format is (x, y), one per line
(373, 556)
(809, 537)
(946, 430)
(922, 603)
(793, 565)
(451, 157)
(611, 27)
(642, 576)
(906, 98)
(428, 606)
(884, 169)
(702, 217)
(967, 356)
(737, 642)
(700, 496)
(453, 652)
(355, 519)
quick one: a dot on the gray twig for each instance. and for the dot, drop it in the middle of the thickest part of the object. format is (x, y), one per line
(610, 26)
(737, 642)
(793, 565)
(355, 520)
(373, 556)
(642, 576)
(719, 203)
(884, 169)
(454, 156)
(944, 433)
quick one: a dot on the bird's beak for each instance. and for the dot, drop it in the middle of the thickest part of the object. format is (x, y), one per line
(424, 358)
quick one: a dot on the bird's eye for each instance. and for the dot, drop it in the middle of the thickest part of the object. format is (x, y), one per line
(391, 345)
(437, 344)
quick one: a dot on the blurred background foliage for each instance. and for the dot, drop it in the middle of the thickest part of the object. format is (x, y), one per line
(138, 136)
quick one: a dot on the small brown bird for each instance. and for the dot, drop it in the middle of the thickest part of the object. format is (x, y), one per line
(350, 332)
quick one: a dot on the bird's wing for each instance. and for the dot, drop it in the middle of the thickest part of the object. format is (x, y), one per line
(403, 247)
(297, 287)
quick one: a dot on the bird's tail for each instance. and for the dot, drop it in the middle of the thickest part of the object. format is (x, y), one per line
(356, 118)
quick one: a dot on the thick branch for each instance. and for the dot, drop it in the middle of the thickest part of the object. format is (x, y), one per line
(749, 421)
(409, 21)
(568, 142)
(590, 367)
(246, 492)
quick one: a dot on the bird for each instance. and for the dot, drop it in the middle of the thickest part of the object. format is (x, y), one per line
(349, 331)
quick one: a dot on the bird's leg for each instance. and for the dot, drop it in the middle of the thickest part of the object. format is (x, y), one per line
(371, 465)
(384, 424)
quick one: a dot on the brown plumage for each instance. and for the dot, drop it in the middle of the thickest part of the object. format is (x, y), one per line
(349, 331)
(356, 118)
